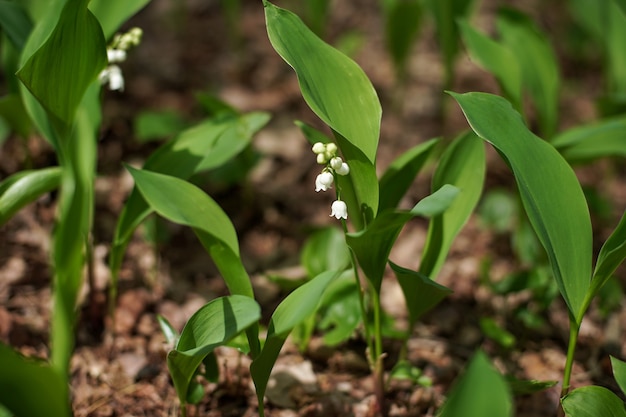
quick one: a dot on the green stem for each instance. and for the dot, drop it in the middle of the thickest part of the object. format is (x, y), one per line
(355, 267)
(569, 362)
(378, 336)
(377, 355)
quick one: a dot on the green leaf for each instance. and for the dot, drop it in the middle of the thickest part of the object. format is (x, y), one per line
(325, 250)
(333, 85)
(538, 64)
(204, 146)
(402, 24)
(611, 255)
(446, 12)
(312, 134)
(372, 245)
(480, 391)
(603, 139)
(619, 372)
(74, 224)
(297, 307)
(340, 309)
(359, 189)
(21, 378)
(499, 210)
(113, 13)
(14, 21)
(593, 401)
(153, 125)
(401, 173)
(211, 326)
(494, 331)
(182, 202)
(420, 292)
(59, 72)
(495, 58)
(463, 166)
(528, 386)
(25, 187)
(550, 191)
(170, 333)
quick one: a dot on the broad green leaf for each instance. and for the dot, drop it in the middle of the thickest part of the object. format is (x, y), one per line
(297, 307)
(538, 64)
(25, 187)
(593, 401)
(325, 250)
(154, 125)
(373, 245)
(611, 255)
(204, 146)
(359, 189)
(446, 13)
(113, 13)
(31, 388)
(59, 72)
(463, 166)
(15, 23)
(340, 310)
(550, 191)
(603, 139)
(211, 326)
(619, 372)
(333, 85)
(480, 391)
(495, 58)
(622, 5)
(420, 292)
(182, 202)
(401, 173)
(402, 24)
(339, 92)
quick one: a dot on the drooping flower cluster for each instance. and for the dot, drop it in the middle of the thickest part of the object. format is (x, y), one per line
(334, 165)
(116, 53)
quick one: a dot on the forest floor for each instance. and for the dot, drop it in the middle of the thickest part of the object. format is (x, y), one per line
(121, 370)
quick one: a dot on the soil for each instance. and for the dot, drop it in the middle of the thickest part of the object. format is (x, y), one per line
(189, 47)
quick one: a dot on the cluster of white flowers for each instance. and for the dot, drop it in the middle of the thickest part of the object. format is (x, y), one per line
(116, 53)
(327, 155)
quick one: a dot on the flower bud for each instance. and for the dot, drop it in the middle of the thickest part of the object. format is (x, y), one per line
(319, 148)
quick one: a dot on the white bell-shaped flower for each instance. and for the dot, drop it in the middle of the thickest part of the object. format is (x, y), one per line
(323, 181)
(115, 78)
(336, 162)
(344, 169)
(339, 210)
(116, 55)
